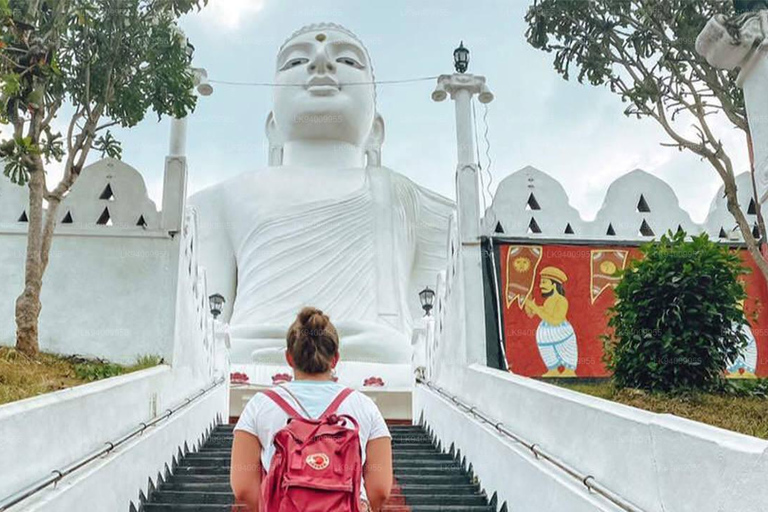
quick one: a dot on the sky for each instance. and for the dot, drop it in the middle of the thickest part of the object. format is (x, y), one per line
(576, 133)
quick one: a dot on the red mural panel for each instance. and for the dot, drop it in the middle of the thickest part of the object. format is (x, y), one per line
(555, 300)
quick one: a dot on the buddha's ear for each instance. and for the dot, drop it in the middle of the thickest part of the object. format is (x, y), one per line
(275, 142)
(375, 141)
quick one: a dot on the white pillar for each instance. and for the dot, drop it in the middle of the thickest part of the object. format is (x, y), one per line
(747, 51)
(178, 143)
(175, 179)
(465, 141)
(462, 87)
(756, 98)
(174, 194)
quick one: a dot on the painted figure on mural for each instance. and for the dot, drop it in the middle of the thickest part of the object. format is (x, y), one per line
(555, 336)
(746, 363)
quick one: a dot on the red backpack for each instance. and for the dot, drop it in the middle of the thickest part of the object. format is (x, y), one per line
(317, 465)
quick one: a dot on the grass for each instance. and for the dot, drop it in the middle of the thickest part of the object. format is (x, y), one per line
(22, 376)
(741, 407)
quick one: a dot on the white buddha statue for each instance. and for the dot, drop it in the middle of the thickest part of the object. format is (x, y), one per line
(324, 224)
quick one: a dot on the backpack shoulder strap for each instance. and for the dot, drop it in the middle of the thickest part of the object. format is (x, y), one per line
(336, 402)
(281, 402)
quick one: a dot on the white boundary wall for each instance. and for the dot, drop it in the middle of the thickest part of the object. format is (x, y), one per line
(114, 291)
(658, 462)
(531, 198)
(110, 289)
(49, 432)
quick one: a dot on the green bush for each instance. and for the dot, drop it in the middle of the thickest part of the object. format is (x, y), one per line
(672, 327)
(97, 370)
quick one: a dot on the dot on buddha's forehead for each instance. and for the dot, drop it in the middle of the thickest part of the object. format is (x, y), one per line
(320, 37)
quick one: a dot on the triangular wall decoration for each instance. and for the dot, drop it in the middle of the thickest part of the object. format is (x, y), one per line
(107, 193)
(645, 229)
(533, 226)
(642, 205)
(532, 203)
(105, 219)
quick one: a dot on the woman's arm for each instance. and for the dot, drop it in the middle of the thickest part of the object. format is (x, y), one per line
(377, 473)
(245, 470)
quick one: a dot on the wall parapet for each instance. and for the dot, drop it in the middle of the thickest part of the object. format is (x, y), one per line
(637, 206)
(658, 462)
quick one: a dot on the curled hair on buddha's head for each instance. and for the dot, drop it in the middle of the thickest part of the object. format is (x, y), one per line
(313, 342)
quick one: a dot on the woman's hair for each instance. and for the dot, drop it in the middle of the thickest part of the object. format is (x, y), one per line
(312, 341)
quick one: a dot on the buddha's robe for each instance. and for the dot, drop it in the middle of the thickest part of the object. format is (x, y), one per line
(361, 256)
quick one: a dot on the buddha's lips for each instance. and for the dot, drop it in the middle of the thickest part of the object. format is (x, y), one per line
(323, 85)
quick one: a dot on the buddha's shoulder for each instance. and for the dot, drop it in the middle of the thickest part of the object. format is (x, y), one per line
(223, 191)
(404, 185)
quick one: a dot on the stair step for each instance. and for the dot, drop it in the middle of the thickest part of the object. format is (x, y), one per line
(427, 480)
(222, 485)
(186, 507)
(223, 457)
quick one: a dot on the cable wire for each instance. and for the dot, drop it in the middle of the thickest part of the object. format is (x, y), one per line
(477, 151)
(377, 82)
(488, 151)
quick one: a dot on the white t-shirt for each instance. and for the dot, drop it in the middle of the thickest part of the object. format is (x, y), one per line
(263, 418)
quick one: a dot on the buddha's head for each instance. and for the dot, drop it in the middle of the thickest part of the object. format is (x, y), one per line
(325, 90)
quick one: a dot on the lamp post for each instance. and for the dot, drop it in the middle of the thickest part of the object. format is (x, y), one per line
(462, 86)
(427, 298)
(175, 179)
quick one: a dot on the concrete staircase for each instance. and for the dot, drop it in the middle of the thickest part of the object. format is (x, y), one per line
(425, 479)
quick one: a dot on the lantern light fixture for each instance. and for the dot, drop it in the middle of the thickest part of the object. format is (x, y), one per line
(216, 302)
(427, 298)
(461, 58)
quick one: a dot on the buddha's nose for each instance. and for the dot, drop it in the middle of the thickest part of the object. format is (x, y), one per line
(321, 63)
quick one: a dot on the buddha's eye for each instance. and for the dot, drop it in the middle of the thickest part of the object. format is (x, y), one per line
(292, 63)
(349, 61)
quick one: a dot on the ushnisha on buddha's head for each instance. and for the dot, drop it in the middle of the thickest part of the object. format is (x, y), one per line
(325, 87)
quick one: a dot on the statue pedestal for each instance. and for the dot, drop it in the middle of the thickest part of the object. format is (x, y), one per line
(393, 398)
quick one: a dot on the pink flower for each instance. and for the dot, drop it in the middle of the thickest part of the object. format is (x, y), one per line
(281, 377)
(238, 378)
(376, 382)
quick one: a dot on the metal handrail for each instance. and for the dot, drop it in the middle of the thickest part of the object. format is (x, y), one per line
(58, 474)
(587, 480)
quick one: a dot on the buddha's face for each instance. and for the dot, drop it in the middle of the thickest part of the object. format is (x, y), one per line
(324, 106)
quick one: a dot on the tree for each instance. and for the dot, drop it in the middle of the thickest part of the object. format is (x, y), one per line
(110, 62)
(676, 321)
(644, 51)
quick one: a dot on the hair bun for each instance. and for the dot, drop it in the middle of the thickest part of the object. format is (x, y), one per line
(312, 341)
(313, 320)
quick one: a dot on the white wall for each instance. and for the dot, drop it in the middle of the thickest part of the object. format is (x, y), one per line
(658, 462)
(47, 433)
(109, 290)
(502, 467)
(115, 291)
(510, 209)
(512, 212)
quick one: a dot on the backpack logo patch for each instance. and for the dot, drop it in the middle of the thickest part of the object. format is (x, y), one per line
(318, 461)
